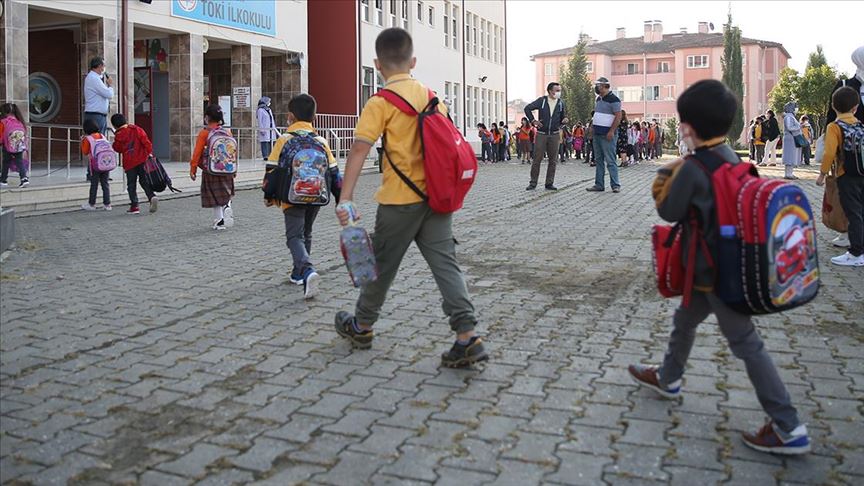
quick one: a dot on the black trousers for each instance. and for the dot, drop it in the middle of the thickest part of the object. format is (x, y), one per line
(852, 200)
(97, 179)
(135, 176)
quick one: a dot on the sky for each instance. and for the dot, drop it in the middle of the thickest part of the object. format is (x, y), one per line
(535, 26)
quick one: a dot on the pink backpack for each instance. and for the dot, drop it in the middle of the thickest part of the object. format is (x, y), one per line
(14, 135)
(101, 155)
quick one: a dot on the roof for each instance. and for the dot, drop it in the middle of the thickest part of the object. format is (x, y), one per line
(670, 42)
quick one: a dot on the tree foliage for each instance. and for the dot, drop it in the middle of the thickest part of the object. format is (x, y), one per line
(816, 59)
(578, 90)
(733, 74)
(785, 90)
(671, 136)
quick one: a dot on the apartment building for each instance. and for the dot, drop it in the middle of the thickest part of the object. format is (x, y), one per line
(648, 72)
(460, 47)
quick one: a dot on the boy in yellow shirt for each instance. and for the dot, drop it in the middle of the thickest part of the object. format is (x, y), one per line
(402, 215)
(299, 219)
(840, 138)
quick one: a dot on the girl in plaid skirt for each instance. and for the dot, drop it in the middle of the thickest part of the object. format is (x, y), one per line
(216, 189)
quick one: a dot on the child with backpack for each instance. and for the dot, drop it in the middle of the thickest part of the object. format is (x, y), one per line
(844, 151)
(101, 160)
(685, 192)
(404, 215)
(134, 145)
(13, 139)
(216, 155)
(306, 162)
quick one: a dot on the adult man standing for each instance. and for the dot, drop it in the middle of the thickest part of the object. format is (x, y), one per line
(771, 130)
(607, 116)
(98, 91)
(550, 114)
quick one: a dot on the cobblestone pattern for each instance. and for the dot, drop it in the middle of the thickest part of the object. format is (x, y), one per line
(152, 350)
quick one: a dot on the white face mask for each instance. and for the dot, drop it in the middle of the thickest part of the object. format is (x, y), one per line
(555, 95)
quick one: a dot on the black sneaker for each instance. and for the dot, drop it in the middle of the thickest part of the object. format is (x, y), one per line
(531, 187)
(550, 187)
(24, 183)
(464, 355)
(595, 189)
(345, 328)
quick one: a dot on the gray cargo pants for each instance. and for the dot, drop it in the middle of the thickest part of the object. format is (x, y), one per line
(395, 228)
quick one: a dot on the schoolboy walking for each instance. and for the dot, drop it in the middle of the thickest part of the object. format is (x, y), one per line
(706, 111)
(97, 150)
(13, 143)
(402, 215)
(132, 142)
(299, 219)
(842, 137)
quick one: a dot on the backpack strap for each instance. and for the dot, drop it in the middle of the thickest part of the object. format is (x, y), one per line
(401, 174)
(398, 101)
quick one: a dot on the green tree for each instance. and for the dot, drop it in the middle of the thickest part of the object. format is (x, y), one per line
(816, 59)
(814, 93)
(785, 90)
(578, 90)
(733, 74)
(671, 138)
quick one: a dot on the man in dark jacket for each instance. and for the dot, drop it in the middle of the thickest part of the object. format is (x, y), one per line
(550, 114)
(771, 132)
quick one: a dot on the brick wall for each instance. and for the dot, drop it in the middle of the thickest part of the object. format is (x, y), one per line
(55, 52)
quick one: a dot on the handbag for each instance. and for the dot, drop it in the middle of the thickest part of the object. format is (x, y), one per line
(800, 141)
(832, 211)
(820, 149)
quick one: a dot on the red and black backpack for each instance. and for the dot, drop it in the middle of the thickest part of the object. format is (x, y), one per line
(449, 161)
(765, 257)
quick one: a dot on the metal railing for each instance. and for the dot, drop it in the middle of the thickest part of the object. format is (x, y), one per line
(68, 136)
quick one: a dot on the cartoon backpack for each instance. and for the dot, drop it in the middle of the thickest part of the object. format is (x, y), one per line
(853, 148)
(102, 157)
(765, 259)
(305, 162)
(15, 140)
(220, 156)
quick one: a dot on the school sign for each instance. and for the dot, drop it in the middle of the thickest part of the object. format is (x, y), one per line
(258, 16)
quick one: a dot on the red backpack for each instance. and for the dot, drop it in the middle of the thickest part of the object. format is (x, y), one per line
(765, 258)
(448, 160)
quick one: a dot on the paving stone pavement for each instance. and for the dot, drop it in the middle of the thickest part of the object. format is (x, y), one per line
(152, 350)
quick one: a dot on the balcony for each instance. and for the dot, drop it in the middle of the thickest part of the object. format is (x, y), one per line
(626, 72)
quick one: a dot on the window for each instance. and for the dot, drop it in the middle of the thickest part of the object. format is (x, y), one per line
(482, 38)
(483, 107)
(455, 31)
(474, 42)
(548, 69)
(589, 67)
(447, 25)
(419, 10)
(662, 67)
(495, 43)
(468, 104)
(393, 13)
(431, 16)
(489, 41)
(405, 14)
(745, 90)
(379, 81)
(489, 105)
(695, 62)
(457, 105)
(364, 6)
(476, 101)
(447, 91)
(652, 93)
(632, 68)
(367, 89)
(379, 12)
(630, 93)
(467, 32)
(743, 59)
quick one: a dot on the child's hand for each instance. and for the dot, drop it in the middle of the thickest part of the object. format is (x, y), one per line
(193, 173)
(820, 181)
(345, 210)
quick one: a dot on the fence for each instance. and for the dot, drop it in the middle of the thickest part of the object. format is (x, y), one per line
(59, 146)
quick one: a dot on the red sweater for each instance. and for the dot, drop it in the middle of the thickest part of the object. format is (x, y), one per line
(132, 143)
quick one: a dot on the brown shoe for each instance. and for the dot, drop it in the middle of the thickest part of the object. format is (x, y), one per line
(649, 377)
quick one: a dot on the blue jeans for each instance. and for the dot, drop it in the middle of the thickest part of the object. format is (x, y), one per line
(605, 155)
(486, 152)
(266, 147)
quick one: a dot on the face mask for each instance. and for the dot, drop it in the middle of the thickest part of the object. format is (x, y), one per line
(555, 96)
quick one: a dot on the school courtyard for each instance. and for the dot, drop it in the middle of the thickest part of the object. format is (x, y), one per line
(152, 350)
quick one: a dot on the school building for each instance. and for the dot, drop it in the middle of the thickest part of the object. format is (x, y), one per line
(460, 47)
(180, 55)
(648, 72)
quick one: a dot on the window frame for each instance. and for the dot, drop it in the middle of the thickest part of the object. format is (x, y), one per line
(431, 16)
(663, 67)
(405, 14)
(589, 66)
(365, 10)
(454, 31)
(691, 61)
(379, 13)
(366, 87)
(548, 68)
(635, 68)
(446, 24)
(394, 13)
(420, 11)
(654, 93)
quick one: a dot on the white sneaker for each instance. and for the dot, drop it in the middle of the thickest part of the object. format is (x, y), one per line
(154, 204)
(4, 184)
(848, 260)
(88, 207)
(228, 214)
(841, 241)
(219, 225)
(107, 207)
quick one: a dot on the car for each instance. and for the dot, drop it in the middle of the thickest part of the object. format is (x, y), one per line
(311, 186)
(793, 255)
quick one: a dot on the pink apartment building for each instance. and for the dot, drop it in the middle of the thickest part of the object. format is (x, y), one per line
(648, 72)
